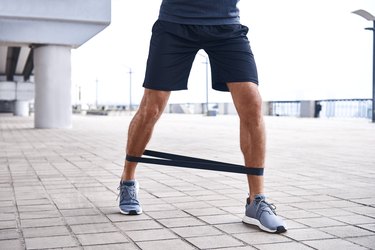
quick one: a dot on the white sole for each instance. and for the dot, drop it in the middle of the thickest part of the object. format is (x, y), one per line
(255, 222)
(131, 212)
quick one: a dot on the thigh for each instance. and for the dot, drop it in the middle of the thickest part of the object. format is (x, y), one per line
(231, 57)
(171, 55)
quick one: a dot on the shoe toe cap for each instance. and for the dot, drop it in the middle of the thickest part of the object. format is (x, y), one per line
(274, 223)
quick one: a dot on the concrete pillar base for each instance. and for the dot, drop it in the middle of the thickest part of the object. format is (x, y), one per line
(21, 108)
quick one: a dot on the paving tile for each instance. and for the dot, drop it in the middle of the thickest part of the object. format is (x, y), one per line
(333, 244)
(8, 224)
(370, 227)
(78, 212)
(194, 231)
(6, 203)
(238, 248)
(192, 204)
(220, 219)
(42, 222)
(291, 224)
(101, 238)
(45, 231)
(39, 214)
(368, 241)
(158, 207)
(214, 241)
(261, 238)
(167, 214)
(7, 234)
(165, 245)
(7, 216)
(11, 245)
(181, 222)
(320, 222)
(341, 204)
(234, 209)
(122, 246)
(307, 234)
(310, 205)
(50, 242)
(347, 231)
(362, 210)
(8, 209)
(138, 225)
(86, 219)
(238, 227)
(30, 208)
(93, 228)
(355, 219)
(331, 212)
(299, 214)
(153, 234)
(33, 202)
(284, 246)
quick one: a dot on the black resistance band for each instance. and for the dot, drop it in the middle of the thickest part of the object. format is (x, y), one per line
(174, 160)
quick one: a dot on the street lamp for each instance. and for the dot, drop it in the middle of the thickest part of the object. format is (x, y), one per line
(130, 87)
(366, 15)
(96, 93)
(206, 63)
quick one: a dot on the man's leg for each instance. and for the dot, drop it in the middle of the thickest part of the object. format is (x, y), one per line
(139, 134)
(248, 103)
(141, 127)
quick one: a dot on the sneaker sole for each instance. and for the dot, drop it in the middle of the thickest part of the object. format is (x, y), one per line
(255, 222)
(131, 212)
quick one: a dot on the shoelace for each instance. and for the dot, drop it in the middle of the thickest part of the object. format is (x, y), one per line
(269, 205)
(130, 191)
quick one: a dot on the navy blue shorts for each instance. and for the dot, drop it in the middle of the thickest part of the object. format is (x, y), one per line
(174, 46)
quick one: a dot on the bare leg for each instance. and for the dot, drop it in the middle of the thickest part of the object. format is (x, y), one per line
(248, 103)
(141, 127)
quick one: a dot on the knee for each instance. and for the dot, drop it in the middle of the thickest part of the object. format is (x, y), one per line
(253, 114)
(149, 114)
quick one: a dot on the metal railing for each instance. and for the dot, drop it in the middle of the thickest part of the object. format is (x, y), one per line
(346, 108)
(285, 108)
(329, 108)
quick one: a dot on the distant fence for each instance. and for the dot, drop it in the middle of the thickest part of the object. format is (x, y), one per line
(284, 108)
(328, 108)
(360, 108)
(340, 108)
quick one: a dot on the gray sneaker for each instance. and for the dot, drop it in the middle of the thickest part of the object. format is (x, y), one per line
(262, 214)
(128, 193)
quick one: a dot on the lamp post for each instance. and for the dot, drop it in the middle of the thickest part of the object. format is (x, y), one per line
(96, 93)
(130, 87)
(206, 63)
(366, 15)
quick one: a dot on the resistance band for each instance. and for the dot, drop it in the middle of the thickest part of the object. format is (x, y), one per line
(168, 159)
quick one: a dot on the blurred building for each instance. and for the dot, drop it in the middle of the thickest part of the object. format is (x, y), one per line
(36, 38)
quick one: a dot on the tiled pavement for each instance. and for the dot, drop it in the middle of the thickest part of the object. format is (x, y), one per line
(58, 187)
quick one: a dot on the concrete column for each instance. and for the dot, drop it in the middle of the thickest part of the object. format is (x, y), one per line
(21, 108)
(52, 65)
(307, 108)
(266, 108)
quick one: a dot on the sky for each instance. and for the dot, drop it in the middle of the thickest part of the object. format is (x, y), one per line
(304, 50)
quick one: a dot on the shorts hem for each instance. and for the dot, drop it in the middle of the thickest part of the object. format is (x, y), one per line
(163, 89)
(224, 87)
